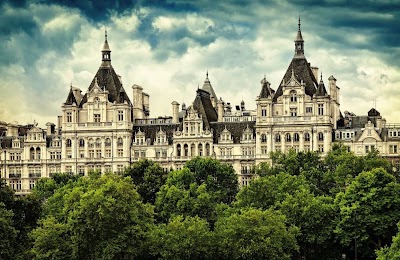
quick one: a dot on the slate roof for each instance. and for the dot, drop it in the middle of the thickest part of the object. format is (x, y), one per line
(302, 72)
(266, 90)
(207, 87)
(202, 104)
(151, 131)
(71, 98)
(235, 128)
(109, 80)
(321, 90)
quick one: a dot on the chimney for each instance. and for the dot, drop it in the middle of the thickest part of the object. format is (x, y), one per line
(50, 128)
(315, 72)
(220, 106)
(175, 112)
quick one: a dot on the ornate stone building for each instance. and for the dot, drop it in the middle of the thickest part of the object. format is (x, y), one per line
(105, 130)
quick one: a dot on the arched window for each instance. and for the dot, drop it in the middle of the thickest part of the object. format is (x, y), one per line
(178, 150)
(296, 137)
(307, 137)
(186, 150)
(38, 153)
(96, 102)
(91, 143)
(98, 142)
(107, 142)
(263, 138)
(68, 143)
(81, 143)
(120, 142)
(320, 136)
(207, 149)
(200, 149)
(32, 153)
(293, 96)
(277, 138)
(192, 150)
(288, 137)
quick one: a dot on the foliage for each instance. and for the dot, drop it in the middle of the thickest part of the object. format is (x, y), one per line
(8, 233)
(392, 252)
(182, 238)
(369, 211)
(254, 234)
(148, 177)
(104, 219)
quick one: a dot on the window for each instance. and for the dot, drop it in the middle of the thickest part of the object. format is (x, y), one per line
(288, 137)
(91, 143)
(32, 153)
(98, 143)
(120, 168)
(120, 142)
(321, 148)
(178, 150)
(69, 117)
(320, 136)
(293, 96)
(91, 153)
(263, 111)
(293, 112)
(107, 143)
(307, 137)
(207, 149)
(308, 109)
(120, 115)
(263, 138)
(96, 102)
(120, 152)
(81, 143)
(98, 154)
(277, 138)
(68, 143)
(96, 118)
(31, 184)
(296, 137)
(200, 149)
(392, 148)
(186, 150)
(108, 153)
(264, 150)
(320, 109)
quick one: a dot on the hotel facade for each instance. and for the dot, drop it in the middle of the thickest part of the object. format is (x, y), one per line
(104, 129)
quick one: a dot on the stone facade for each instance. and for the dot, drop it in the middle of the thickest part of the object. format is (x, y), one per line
(103, 130)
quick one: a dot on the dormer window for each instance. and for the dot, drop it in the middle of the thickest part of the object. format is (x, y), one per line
(96, 118)
(69, 117)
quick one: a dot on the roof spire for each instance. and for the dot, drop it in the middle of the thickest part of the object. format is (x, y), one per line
(207, 74)
(321, 75)
(106, 52)
(299, 43)
(299, 23)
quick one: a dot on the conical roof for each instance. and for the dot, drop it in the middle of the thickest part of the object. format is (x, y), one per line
(207, 87)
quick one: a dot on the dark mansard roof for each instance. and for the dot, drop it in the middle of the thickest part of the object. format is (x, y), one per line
(202, 104)
(108, 80)
(151, 131)
(235, 128)
(302, 72)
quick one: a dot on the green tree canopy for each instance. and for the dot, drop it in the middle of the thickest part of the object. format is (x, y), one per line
(369, 211)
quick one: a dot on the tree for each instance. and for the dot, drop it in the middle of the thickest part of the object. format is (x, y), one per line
(8, 234)
(103, 217)
(45, 187)
(220, 178)
(392, 252)
(255, 234)
(369, 211)
(182, 238)
(148, 177)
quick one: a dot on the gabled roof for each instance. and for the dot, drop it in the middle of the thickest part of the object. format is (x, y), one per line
(202, 104)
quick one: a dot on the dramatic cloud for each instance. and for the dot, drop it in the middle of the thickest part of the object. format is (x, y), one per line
(167, 47)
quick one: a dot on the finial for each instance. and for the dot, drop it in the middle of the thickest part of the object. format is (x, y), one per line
(106, 33)
(207, 74)
(299, 22)
(321, 75)
(292, 73)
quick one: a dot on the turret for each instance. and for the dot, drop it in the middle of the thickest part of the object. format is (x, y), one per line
(299, 44)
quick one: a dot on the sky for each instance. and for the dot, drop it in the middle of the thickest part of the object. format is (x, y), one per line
(168, 46)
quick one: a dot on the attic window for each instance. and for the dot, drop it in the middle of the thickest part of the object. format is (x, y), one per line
(293, 96)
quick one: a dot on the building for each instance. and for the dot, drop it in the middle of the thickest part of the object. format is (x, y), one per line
(104, 129)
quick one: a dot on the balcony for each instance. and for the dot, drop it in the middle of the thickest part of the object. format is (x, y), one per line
(14, 176)
(35, 175)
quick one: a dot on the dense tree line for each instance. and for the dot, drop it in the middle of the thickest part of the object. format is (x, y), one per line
(301, 206)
